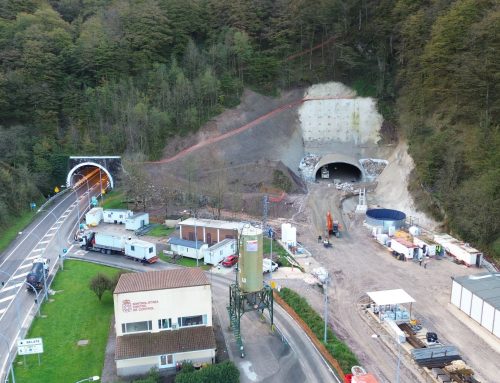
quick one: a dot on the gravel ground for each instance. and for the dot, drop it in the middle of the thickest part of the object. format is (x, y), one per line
(359, 264)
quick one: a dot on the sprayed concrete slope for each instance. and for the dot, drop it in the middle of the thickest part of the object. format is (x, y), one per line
(339, 122)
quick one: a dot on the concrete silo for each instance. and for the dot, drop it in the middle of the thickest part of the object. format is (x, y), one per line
(250, 261)
(249, 293)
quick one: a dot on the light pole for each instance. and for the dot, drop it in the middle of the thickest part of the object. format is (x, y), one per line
(271, 256)
(398, 366)
(325, 290)
(9, 362)
(37, 293)
(91, 379)
(196, 239)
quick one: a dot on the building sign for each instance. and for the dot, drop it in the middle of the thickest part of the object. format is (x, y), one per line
(30, 346)
(129, 306)
(252, 245)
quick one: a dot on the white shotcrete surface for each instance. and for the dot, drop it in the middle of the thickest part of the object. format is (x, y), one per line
(346, 119)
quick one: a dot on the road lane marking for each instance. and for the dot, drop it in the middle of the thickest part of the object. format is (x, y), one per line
(34, 250)
(24, 266)
(9, 298)
(20, 275)
(11, 287)
(33, 257)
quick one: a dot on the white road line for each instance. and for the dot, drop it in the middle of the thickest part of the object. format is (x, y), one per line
(43, 242)
(2, 311)
(9, 298)
(32, 230)
(10, 287)
(24, 266)
(35, 250)
(52, 228)
(32, 257)
(20, 275)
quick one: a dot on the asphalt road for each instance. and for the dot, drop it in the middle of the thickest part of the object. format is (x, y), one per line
(47, 236)
(286, 355)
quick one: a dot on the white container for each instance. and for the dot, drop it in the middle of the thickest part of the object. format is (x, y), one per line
(431, 246)
(117, 215)
(94, 216)
(414, 230)
(382, 239)
(398, 335)
(392, 231)
(137, 221)
(108, 241)
(409, 250)
(141, 250)
(288, 234)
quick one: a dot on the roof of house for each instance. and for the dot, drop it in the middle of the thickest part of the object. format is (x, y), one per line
(160, 280)
(484, 285)
(224, 242)
(138, 215)
(117, 211)
(164, 342)
(186, 243)
(139, 242)
(214, 223)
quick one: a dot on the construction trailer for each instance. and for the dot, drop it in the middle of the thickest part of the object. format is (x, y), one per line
(112, 244)
(117, 215)
(478, 296)
(187, 248)
(94, 216)
(405, 248)
(141, 250)
(218, 252)
(463, 252)
(137, 221)
(429, 244)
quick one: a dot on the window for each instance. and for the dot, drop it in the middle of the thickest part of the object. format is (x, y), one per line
(166, 360)
(132, 248)
(137, 327)
(150, 249)
(164, 323)
(196, 320)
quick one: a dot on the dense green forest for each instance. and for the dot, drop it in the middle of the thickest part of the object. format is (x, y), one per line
(125, 76)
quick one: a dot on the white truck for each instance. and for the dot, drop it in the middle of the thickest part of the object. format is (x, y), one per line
(407, 249)
(268, 265)
(325, 173)
(111, 244)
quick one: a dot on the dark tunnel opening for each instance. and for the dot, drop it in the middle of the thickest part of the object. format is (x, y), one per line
(341, 171)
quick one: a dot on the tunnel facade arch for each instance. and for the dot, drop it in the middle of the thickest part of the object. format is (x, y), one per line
(110, 165)
(338, 166)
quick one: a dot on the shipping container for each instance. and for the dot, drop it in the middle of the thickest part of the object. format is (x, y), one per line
(141, 250)
(94, 216)
(403, 247)
(117, 215)
(137, 221)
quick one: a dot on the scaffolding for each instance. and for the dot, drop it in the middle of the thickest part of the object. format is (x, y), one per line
(241, 302)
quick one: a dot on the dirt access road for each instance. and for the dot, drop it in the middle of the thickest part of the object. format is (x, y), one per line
(359, 264)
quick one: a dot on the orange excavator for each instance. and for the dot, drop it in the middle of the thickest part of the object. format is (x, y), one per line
(332, 226)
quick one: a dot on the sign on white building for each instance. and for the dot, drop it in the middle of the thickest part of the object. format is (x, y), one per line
(30, 346)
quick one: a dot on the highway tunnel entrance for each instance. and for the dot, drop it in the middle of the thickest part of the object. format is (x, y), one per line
(93, 169)
(339, 171)
(338, 167)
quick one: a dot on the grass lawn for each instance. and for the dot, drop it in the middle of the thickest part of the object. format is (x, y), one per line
(187, 262)
(160, 231)
(277, 250)
(8, 234)
(75, 314)
(114, 200)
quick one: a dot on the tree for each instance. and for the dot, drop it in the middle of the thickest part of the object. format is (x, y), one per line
(99, 284)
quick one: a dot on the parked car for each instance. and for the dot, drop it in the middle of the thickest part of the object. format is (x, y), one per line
(230, 261)
(268, 265)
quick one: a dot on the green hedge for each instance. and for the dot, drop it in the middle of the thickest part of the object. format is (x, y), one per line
(216, 373)
(335, 347)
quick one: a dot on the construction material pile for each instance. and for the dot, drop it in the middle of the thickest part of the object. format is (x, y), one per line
(307, 166)
(373, 167)
(438, 356)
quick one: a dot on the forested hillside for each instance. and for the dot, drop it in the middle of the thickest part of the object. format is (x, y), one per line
(125, 76)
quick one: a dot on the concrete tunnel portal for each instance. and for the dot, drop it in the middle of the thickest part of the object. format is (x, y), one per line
(338, 167)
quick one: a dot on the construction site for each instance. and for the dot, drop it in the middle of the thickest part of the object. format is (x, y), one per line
(321, 157)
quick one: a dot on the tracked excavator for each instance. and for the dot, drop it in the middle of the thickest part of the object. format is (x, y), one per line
(332, 228)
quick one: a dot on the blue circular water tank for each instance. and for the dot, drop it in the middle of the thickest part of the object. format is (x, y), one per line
(385, 218)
